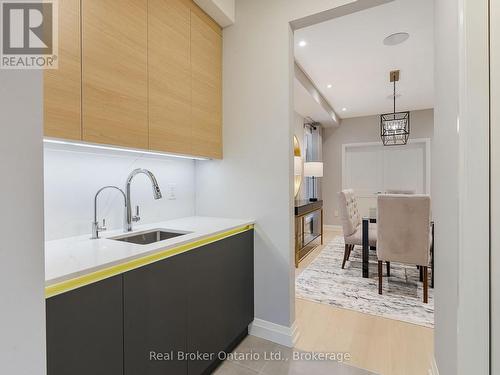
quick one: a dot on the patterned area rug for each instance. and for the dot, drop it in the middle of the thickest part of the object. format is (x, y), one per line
(326, 282)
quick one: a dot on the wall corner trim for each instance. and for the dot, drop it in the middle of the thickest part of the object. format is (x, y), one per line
(276, 333)
(222, 12)
(434, 369)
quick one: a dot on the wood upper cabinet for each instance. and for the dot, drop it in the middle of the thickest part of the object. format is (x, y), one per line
(206, 73)
(145, 74)
(114, 58)
(169, 76)
(185, 79)
(62, 86)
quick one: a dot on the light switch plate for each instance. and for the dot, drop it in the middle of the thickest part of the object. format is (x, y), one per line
(171, 191)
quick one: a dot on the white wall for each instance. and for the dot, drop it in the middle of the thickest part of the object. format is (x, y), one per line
(473, 353)
(460, 187)
(358, 130)
(74, 174)
(495, 184)
(255, 179)
(22, 300)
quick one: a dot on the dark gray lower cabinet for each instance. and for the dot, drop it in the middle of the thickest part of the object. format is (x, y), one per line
(85, 330)
(220, 298)
(199, 302)
(155, 318)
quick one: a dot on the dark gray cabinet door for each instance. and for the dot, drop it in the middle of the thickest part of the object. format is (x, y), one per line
(84, 330)
(220, 297)
(155, 318)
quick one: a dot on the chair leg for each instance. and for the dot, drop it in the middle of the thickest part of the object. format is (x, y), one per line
(379, 277)
(388, 264)
(346, 254)
(421, 269)
(351, 248)
(426, 284)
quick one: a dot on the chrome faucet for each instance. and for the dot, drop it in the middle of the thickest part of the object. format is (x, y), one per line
(156, 195)
(96, 228)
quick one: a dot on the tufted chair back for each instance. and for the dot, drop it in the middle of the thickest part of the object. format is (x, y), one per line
(349, 213)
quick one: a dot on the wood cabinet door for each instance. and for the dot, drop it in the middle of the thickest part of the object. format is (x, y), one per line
(155, 317)
(85, 330)
(220, 297)
(169, 65)
(206, 71)
(114, 58)
(62, 86)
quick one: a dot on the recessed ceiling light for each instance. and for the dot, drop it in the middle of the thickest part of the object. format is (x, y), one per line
(329, 86)
(396, 38)
(344, 109)
(302, 43)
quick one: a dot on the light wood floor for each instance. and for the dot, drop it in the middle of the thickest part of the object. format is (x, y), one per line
(380, 345)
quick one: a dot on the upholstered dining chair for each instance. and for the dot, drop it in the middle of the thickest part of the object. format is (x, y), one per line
(351, 224)
(404, 233)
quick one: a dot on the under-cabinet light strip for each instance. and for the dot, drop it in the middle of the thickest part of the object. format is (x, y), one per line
(79, 281)
(122, 149)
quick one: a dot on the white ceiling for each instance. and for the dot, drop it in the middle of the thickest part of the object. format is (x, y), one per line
(348, 53)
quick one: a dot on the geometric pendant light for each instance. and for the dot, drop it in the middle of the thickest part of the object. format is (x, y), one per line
(395, 126)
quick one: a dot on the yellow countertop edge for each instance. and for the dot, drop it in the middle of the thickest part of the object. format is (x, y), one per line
(77, 282)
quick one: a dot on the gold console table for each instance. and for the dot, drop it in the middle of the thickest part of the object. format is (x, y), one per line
(308, 228)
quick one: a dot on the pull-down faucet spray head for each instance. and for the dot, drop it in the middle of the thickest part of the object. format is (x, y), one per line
(152, 178)
(156, 194)
(156, 188)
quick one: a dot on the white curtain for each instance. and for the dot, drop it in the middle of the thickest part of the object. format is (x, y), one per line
(313, 152)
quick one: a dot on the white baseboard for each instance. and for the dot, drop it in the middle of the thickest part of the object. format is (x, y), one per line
(332, 227)
(276, 333)
(434, 369)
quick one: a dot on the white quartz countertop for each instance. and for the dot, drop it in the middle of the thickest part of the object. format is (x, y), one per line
(73, 257)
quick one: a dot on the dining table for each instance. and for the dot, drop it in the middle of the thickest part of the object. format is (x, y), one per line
(366, 247)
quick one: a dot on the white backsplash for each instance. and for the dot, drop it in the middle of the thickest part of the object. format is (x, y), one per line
(74, 174)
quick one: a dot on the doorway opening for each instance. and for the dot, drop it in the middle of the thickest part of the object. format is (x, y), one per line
(342, 86)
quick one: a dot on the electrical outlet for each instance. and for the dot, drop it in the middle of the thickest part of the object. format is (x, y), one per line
(171, 191)
(336, 213)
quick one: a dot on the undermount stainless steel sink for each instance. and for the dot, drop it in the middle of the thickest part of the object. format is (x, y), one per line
(148, 237)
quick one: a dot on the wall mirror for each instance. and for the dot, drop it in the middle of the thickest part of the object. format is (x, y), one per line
(297, 165)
